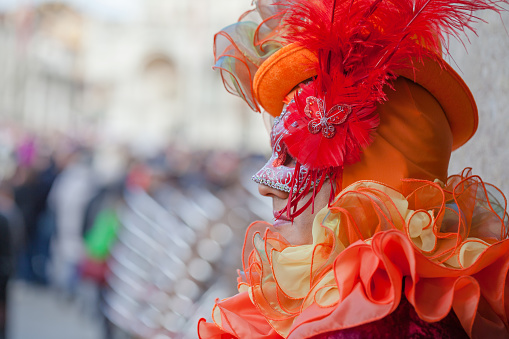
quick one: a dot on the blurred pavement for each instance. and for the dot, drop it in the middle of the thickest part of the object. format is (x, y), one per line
(37, 312)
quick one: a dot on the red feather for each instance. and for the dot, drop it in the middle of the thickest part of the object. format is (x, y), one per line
(359, 45)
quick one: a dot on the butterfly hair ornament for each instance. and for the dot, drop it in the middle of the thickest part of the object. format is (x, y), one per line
(322, 120)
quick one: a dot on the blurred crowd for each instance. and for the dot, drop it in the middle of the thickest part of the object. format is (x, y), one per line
(158, 237)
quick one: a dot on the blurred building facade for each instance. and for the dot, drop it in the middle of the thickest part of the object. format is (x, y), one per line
(143, 78)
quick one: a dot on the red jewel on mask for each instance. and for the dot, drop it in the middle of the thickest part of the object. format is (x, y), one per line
(320, 121)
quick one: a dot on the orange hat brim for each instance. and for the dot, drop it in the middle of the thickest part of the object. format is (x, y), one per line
(293, 64)
(280, 73)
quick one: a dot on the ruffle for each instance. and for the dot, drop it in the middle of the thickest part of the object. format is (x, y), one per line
(443, 247)
(241, 48)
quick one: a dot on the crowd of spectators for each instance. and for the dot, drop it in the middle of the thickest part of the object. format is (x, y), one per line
(74, 212)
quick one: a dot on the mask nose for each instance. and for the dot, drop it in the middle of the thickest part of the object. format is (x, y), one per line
(268, 191)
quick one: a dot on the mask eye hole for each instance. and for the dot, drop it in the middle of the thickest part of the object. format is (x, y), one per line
(284, 159)
(289, 160)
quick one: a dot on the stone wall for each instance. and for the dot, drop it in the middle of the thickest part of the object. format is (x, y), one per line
(485, 69)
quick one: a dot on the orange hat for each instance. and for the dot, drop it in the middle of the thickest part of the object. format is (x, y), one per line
(292, 64)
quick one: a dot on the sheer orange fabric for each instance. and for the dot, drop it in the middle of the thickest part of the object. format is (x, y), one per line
(446, 244)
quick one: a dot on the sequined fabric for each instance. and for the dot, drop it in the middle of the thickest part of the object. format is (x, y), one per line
(403, 323)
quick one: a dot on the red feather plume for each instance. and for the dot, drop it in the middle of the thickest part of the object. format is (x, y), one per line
(359, 45)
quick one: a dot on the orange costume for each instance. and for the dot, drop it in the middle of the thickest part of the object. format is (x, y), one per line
(401, 250)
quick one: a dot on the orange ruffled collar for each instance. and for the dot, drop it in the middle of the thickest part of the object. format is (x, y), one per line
(447, 245)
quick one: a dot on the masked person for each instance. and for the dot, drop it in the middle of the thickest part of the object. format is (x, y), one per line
(371, 237)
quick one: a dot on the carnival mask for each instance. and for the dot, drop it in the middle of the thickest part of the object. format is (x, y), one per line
(278, 172)
(311, 143)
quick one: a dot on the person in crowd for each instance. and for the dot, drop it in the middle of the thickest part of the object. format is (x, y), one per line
(31, 185)
(372, 238)
(12, 213)
(72, 190)
(6, 270)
